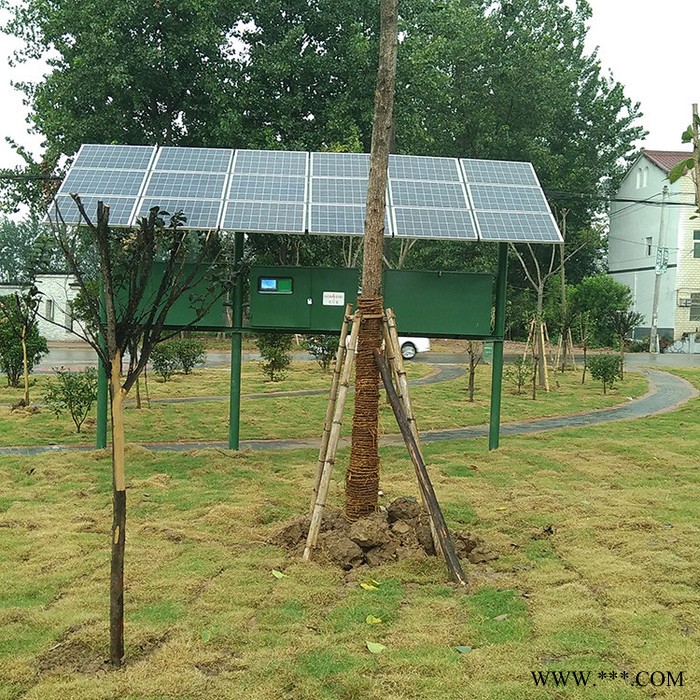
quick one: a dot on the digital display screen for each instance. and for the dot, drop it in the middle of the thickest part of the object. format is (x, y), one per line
(275, 285)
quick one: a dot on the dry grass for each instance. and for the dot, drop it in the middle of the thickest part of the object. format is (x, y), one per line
(596, 531)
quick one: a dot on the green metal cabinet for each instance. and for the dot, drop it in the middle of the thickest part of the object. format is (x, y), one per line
(303, 299)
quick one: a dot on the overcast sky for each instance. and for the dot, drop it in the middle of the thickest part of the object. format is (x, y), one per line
(640, 41)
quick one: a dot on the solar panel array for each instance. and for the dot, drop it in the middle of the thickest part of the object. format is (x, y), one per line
(297, 192)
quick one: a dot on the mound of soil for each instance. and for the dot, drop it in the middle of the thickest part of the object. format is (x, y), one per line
(401, 530)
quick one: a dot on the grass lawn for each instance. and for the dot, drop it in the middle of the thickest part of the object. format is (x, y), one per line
(596, 531)
(441, 405)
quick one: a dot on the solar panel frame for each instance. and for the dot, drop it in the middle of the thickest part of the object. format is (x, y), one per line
(430, 168)
(517, 227)
(508, 199)
(434, 224)
(114, 157)
(258, 162)
(193, 160)
(249, 217)
(498, 172)
(428, 194)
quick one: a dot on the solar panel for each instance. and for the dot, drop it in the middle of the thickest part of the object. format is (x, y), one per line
(267, 188)
(64, 208)
(532, 227)
(332, 218)
(126, 183)
(270, 163)
(443, 195)
(286, 217)
(424, 168)
(499, 172)
(200, 213)
(337, 190)
(352, 165)
(114, 157)
(167, 185)
(446, 224)
(194, 160)
(499, 198)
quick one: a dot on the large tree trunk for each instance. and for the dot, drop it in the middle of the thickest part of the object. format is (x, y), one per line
(362, 478)
(116, 589)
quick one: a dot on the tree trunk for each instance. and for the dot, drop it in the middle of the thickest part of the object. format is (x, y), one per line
(622, 356)
(25, 364)
(116, 589)
(362, 477)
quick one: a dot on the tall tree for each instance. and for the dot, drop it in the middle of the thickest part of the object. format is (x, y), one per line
(362, 477)
(25, 250)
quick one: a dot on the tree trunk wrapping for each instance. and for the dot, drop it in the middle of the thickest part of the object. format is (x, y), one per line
(362, 477)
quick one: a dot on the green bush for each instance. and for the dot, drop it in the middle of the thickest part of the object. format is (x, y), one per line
(11, 362)
(164, 360)
(274, 348)
(607, 368)
(323, 347)
(74, 392)
(189, 353)
(519, 373)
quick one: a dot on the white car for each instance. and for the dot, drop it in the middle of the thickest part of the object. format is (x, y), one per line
(409, 346)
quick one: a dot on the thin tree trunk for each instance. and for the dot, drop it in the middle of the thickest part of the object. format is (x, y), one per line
(25, 364)
(362, 477)
(116, 589)
(622, 356)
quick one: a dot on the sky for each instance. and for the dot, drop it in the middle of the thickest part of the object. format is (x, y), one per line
(639, 41)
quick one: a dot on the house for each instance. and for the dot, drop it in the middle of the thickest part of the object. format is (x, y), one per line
(55, 318)
(652, 233)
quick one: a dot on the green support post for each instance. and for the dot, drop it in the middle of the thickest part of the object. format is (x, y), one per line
(236, 343)
(499, 333)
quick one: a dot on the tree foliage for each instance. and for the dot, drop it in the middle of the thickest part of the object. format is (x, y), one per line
(74, 392)
(25, 250)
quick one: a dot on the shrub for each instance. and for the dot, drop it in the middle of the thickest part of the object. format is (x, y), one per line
(323, 347)
(74, 392)
(188, 353)
(164, 360)
(519, 372)
(607, 368)
(274, 348)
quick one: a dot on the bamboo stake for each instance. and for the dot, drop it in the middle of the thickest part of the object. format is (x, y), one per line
(332, 398)
(570, 342)
(393, 353)
(530, 337)
(325, 480)
(544, 358)
(448, 551)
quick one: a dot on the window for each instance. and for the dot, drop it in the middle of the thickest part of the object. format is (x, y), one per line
(648, 244)
(639, 178)
(645, 176)
(694, 307)
(696, 244)
(48, 311)
(69, 316)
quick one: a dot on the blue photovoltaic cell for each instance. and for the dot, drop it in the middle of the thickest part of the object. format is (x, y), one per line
(120, 209)
(499, 172)
(194, 160)
(434, 223)
(331, 218)
(268, 216)
(200, 213)
(185, 185)
(270, 163)
(443, 195)
(517, 227)
(103, 182)
(114, 157)
(424, 168)
(267, 188)
(336, 190)
(503, 198)
(343, 165)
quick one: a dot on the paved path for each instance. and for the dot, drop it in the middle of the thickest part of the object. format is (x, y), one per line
(666, 392)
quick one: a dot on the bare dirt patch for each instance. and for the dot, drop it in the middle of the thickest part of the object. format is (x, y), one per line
(400, 531)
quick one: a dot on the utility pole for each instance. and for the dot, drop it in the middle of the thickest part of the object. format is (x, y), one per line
(661, 265)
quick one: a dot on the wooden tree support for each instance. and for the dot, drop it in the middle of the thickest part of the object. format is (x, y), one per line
(332, 399)
(432, 505)
(324, 479)
(392, 350)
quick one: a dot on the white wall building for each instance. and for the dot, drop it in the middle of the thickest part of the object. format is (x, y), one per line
(651, 232)
(58, 292)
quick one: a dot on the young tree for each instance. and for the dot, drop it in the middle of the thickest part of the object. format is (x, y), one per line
(19, 312)
(475, 351)
(130, 314)
(362, 477)
(74, 392)
(624, 322)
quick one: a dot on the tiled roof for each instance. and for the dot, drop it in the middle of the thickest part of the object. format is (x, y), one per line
(666, 159)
